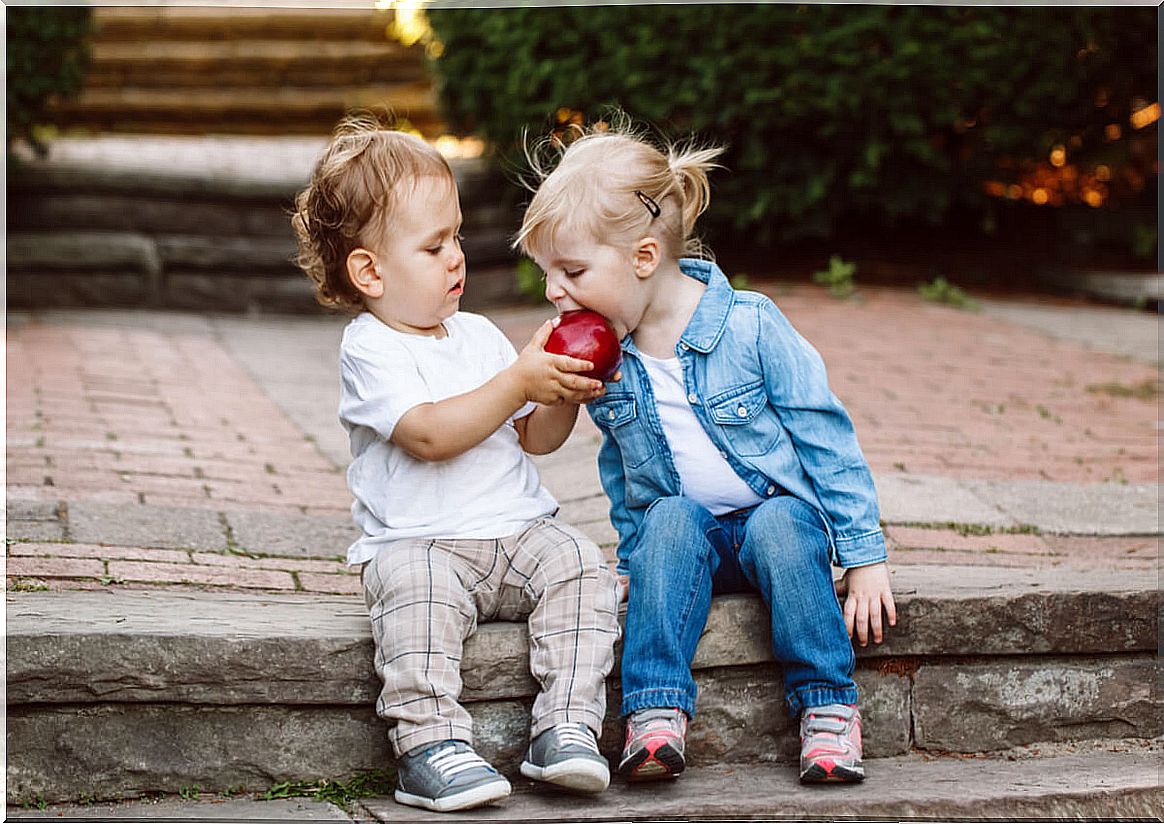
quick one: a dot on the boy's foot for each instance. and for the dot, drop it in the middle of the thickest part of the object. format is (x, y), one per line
(567, 755)
(654, 744)
(448, 775)
(830, 744)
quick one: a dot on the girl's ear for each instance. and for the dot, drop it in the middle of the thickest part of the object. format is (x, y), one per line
(646, 257)
(364, 273)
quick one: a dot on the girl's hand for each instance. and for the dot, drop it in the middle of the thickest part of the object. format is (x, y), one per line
(866, 591)
(551, 379)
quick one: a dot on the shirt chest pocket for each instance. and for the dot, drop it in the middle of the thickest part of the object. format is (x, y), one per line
(618, 417)
(746, 420)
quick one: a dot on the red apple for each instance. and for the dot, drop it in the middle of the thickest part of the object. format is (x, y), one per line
(587, 335)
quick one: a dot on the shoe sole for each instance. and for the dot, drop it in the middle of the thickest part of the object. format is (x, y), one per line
(474, 797)
(582, 775)
(816, 774)
(665, 762)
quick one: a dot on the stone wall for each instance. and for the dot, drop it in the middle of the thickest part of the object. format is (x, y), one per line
(118, 694)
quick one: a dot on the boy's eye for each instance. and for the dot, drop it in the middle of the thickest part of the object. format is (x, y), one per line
(572, 274)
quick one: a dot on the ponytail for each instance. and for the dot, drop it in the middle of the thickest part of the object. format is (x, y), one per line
(691, 166)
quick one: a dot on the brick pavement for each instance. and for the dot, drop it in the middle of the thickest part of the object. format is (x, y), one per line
(145, 455)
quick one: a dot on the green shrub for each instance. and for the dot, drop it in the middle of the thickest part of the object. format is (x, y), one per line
(884, 114)
(48, 53)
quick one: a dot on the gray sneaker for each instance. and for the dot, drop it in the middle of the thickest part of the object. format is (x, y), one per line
(446, 776)
(567, 755)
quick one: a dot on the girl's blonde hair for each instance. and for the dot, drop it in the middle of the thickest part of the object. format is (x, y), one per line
(617, 184)
(353, 188)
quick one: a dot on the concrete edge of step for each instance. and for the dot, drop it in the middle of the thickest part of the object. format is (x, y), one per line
(226, 648)
(1102, 778)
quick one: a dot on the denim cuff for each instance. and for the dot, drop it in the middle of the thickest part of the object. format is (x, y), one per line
(861, 550)
(652, 698)
(818, 697)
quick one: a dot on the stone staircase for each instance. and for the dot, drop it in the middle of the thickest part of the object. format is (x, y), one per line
(200, 223)
(1000, 692)
(235, 70)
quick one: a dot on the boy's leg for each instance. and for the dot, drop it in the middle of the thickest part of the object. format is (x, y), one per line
(421, 614)
(571, 598)
(671, 572)
(785, 555)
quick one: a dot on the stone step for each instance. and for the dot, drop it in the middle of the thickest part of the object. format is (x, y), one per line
(981, 660)
(253, 64)
(209, 109)
(1121, 780)
(200, 240)
(1106, 780)
(209, 23)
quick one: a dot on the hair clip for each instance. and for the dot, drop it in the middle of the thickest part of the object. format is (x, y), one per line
(649, 202)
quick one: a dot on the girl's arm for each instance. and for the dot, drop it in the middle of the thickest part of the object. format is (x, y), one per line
(867, 591)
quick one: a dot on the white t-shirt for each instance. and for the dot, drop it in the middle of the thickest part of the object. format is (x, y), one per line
(705, 475)
(489, 491)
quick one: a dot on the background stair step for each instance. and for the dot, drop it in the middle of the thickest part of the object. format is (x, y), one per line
(233, 70)
(133, 23)
(304, 63)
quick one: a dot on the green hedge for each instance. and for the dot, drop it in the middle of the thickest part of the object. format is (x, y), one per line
(47, 57)
(879, 113)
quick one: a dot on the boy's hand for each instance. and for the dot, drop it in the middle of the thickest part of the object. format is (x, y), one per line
(866, 591)
(551, 379)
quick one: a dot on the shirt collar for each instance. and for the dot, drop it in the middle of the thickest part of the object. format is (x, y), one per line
(710, 318)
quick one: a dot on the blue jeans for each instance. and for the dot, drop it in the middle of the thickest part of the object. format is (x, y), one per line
(686, 555)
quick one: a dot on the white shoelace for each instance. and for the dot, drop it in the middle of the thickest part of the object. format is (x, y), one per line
(448, 762)
(569, 734)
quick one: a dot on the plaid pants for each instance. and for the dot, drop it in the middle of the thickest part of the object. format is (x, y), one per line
(425, 598)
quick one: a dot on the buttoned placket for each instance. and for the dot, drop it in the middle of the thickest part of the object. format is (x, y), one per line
(747, 473)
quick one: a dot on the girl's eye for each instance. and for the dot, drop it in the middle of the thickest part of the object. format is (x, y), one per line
(572, 274)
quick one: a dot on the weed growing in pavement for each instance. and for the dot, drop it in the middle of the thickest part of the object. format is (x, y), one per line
(27, 585)
(1046, 414)
(838, 277)
(340, 793)
(1145, 390)
(944, 292)
(36, 801)
(189, 793)
(976, 529)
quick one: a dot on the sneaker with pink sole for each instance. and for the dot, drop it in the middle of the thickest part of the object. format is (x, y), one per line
(830, 744)
(654, 744)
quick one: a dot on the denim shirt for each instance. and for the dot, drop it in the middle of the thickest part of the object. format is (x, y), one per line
(760, 392)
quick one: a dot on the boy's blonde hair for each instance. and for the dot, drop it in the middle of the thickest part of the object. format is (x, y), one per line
(353, 188)
(609, 181)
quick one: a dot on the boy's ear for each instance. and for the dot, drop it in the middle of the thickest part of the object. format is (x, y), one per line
(364, 274)
(646, 257)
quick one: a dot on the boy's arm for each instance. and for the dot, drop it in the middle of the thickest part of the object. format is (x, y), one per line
(546, 428)
(444, 429)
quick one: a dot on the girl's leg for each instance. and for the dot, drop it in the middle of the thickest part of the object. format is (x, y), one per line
(671, 571)
(421, 614)
(561, 580)
(785, 555)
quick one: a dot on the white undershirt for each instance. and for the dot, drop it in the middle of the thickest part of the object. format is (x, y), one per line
(705, 476)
